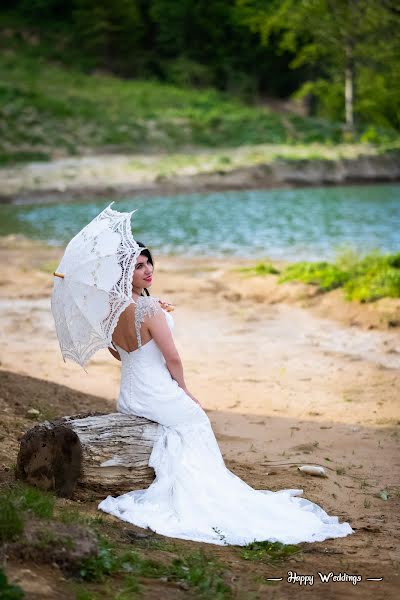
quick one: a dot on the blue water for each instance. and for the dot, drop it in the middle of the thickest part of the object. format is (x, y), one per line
(299, 224)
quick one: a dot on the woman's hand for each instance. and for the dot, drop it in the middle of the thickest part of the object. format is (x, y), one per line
(193, 398)
(197, 402)
(166, 305)
(114, 353)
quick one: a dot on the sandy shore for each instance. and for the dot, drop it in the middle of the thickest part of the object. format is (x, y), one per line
(287, 377)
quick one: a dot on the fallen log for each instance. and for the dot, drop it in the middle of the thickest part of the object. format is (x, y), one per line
(106, 453)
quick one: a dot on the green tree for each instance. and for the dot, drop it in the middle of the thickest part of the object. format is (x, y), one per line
(188, 42)
(111, 30)
(203, 42)
(344, 41)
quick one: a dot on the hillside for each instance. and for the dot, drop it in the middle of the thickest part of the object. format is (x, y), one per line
(49, 110)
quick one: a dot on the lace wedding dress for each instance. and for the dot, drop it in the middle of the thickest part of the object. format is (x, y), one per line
(194, 495)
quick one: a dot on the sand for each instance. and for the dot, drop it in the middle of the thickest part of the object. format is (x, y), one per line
(286, 375)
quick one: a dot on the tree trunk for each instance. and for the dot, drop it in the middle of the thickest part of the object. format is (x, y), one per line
(107, 454)
(349, 86)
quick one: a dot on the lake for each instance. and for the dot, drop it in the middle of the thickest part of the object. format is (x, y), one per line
(296, 224)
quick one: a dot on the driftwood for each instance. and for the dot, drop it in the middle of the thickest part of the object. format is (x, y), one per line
(104, 453)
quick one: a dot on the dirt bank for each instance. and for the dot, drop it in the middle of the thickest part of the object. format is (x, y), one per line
(233, 169)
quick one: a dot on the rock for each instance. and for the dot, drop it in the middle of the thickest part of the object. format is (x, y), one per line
(32, 413)
(313, 470)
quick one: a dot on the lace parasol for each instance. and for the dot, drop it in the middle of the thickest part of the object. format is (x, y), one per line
(93, 284)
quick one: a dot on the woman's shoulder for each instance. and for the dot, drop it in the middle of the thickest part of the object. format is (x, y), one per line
(146, 306)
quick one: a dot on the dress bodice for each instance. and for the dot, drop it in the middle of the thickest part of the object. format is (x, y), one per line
(145, 306)
(144, 370)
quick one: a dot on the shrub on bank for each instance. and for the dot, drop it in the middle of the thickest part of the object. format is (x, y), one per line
(363, 279)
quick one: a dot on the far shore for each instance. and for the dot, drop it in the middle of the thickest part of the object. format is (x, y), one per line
(261, 167)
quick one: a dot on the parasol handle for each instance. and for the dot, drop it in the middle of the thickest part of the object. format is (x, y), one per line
(58, 275)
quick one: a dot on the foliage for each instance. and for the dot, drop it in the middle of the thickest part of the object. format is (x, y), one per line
(46, 109)
(323, 274)
(15, 501)
(196, 569)
(60, 96)
(156, 39)
(374, 277)
(30, 499)
(268, 551)
(334, 39)
(110, 31)
(8, 591)
(104, 563)
(363, 279)
(201, 572)
(72, 515)
(11, 522)
(248, 48)
(260, 269)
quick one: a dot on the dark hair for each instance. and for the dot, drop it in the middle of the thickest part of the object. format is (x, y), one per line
(148, 255)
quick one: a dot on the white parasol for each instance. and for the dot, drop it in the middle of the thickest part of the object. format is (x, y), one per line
(93, 284)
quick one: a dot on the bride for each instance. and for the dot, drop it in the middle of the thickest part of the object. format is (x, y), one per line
(194, 496)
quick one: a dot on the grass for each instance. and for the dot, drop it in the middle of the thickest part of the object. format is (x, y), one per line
(11, 521)
(49, 266)
(16, 503)
(273, 552)
(116, 568)
(363, 279)
(327, 276)
(72, 515)
(260, 269)
(8, 591)
(196, 570)
(156, 543)
(104, 564)
(49, 109)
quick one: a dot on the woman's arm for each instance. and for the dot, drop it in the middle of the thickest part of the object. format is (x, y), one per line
(114, 353)
(160, 332)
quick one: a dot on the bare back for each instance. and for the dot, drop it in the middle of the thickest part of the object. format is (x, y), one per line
(132, 329)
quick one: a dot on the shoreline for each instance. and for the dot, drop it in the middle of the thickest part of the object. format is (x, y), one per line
(221, 279)
(111, 176)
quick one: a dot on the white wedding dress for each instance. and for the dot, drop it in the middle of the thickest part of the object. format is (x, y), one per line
(194, 495)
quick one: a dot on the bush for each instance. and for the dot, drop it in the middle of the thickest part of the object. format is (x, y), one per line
(363, 279)
(8, 591)
(323, 274)
(375, 283)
